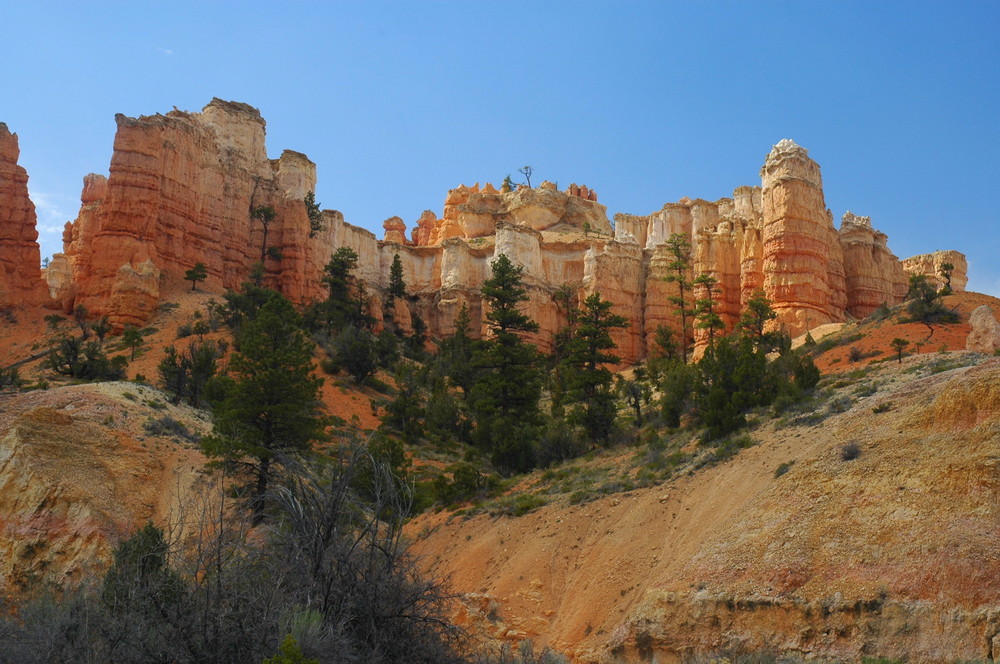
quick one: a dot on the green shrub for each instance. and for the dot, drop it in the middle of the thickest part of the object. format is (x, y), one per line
(850, 451)
(783, 468)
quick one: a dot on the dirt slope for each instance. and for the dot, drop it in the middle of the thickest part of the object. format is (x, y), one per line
(896, 552)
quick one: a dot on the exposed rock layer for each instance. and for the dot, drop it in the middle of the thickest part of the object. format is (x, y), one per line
(20, 268)
(183, 185)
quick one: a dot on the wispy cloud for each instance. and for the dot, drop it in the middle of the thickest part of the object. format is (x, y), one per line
(164, 51)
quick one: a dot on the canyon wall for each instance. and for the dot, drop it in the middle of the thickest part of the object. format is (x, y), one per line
(183, 187)
(20, 267)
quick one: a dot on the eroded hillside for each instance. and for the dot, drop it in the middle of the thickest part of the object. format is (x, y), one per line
(893, 552)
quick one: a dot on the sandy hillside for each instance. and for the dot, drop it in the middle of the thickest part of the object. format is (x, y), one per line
(833, 557)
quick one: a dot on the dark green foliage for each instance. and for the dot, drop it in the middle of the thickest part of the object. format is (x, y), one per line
(314, 214)
(455, 354)
(264, 214)
(732, 378)
(405, 413)
(636, 392)
(272, 412)
(508, 185)
(589, 380)
(10, 377)
(345, 303)
(504, 398)
(899, 345)
(704, 307)
(244, 305)
(354, 351)
(198, 273)
(80, 316)
(923, 304)
(677, 381)
(416, 341)
(53, 320)
(86, 360)
(332, 572)
(397, 287)
(132, 339)
(101, 327)
(850, 451)
(186, 374)
(558, 442)
(678, 272)
(754, 319)
(140, 571)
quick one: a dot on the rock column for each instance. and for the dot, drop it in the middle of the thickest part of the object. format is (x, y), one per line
(803, 261)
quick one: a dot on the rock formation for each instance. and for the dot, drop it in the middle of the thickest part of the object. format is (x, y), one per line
(873, 275)
(20, 266)
(930, 265)
(182, 187)
(985, 334)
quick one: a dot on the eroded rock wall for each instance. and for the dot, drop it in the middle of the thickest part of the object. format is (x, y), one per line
(20, 262)
(182, 187)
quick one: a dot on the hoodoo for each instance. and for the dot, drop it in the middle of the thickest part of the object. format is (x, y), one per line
(183, 187)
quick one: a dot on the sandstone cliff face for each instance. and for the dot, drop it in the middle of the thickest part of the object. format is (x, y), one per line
(930, 265)
(803, 262)
(874, 276)
(182, 186)
(180, 192)
(20, 262)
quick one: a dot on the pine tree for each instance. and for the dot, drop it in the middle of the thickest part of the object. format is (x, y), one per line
(589, 379)
(455, 353)
(679, 249)
(397, 287)
(754, 319)
(345, 301)
(272, 412)
(314, 214)
(505, 397)
(265, 214)
(704, 309)
(198, 273)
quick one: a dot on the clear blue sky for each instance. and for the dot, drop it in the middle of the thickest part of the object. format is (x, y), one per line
(397, 102)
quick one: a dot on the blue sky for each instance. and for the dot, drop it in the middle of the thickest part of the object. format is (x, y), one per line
(646, 102)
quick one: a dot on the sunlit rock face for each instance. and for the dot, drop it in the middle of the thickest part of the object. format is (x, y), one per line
(930, 265)
(183, 187)
(873, 275)
(20, 268)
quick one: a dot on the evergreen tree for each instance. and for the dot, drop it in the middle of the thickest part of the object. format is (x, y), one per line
(198, 273)
(589, 380)
(679, 249)
(455, 353)
(314, 214)
(924, 304)
(272, 412)
(732, 378)
(505, 397)
(265, 214)
(754, 319)
(397, 287)
(704, 307)
(345, 302)
(132, 339)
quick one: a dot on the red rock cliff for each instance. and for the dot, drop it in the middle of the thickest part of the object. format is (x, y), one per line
(20, 261)
(182, 187)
